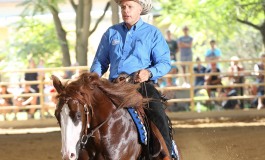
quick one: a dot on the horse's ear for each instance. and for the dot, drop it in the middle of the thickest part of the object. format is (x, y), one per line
(57, 84)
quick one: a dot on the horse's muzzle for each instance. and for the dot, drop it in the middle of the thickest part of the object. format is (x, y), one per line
(69, 156)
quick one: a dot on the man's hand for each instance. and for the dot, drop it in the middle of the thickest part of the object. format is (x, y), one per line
(143, 75)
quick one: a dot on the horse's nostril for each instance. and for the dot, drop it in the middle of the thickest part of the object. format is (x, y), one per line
(72, 155)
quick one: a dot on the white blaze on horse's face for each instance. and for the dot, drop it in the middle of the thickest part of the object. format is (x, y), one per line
(70, 132)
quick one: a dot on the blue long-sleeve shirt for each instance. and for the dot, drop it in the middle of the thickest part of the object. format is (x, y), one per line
(128, 51)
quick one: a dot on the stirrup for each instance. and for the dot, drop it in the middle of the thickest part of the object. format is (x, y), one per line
(174, 152)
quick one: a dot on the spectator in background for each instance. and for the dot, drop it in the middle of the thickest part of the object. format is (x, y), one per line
(5, 101)
(213, 54)
(173, 47)
(213, 79)
(259, 69)
(231, 103)
(32, 76)
(236, 76)
(50, 101)
(41, 74)
(199, 69)
(27, 100)
(71, 74)
(185, 46)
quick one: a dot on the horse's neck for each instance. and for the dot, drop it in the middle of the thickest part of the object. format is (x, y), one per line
(103, 106)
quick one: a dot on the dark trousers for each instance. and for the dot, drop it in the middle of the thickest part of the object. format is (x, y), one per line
(156, 112)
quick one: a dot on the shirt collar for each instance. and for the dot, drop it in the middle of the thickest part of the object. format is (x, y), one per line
(136, 26)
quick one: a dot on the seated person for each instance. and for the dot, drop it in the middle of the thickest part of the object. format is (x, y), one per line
(235, 71)
(236, 76)
(199, 69)
(5, 101)
(231, 103)
(259, 68)
(28, 100)
(212, 79)
(50, 103)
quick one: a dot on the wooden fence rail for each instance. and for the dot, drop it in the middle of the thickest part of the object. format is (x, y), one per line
(249, 72)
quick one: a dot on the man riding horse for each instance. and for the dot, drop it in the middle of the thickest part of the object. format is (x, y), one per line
(137, 48)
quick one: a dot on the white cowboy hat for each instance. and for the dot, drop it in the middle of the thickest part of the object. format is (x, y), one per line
(146, 5)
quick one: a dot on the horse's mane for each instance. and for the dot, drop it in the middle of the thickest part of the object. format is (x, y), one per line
(121, 94)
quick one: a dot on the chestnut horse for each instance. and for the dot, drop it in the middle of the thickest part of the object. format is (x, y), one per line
(95, 123)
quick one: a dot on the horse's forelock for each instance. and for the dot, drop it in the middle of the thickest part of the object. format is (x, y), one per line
(81, 88)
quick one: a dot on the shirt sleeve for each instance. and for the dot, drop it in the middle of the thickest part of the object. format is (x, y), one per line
(101, 61)
(191, 39)
(160, 56)
(219, 53)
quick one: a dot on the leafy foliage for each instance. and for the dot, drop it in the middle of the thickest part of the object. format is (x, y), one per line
(35, 39)
(218, 19)
(82, 9)
(34, 7)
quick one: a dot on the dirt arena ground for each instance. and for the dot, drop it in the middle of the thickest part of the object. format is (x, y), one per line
(240, 138)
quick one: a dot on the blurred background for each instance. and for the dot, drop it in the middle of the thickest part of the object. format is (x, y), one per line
(220, 121)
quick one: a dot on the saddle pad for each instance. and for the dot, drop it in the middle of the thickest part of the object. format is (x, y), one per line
(139, 125)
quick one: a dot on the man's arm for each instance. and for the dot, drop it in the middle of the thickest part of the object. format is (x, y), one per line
(160, 56)
(177, 47)
(184, 44)
(101, 60)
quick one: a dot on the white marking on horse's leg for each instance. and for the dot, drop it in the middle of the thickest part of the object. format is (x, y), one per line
(70, 133)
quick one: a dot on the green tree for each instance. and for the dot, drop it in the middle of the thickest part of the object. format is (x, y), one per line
(218, 17)
(34, 39)
(84, 28)
(115, 12)
(251, 13)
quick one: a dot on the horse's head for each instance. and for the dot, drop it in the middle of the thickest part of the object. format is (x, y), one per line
(73, 113)
(85, 104)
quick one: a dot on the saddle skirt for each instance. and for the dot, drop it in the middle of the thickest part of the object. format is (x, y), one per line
(146, 135)
(139, 125)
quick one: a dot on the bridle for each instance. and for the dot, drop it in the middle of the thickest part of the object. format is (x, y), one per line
(84, 138)
(88, 110)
